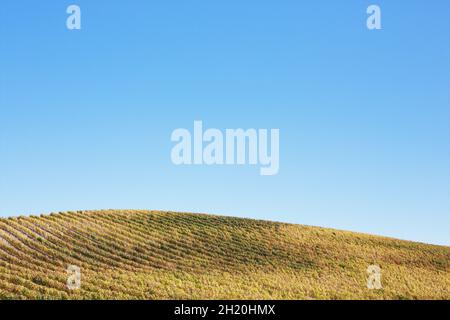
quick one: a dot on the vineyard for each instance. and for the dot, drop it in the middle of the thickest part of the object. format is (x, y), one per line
(167, 255)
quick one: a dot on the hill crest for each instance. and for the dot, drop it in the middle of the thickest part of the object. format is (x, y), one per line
(137, 254)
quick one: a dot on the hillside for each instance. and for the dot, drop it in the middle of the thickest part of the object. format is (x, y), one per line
(166, 255)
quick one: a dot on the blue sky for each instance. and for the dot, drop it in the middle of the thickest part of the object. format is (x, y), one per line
(364, 116)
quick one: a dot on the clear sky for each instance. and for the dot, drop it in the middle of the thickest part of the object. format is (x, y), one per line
(364, 116)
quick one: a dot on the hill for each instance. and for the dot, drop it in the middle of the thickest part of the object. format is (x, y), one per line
(167, 255)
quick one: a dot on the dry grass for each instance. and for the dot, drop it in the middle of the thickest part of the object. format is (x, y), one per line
(166, 255)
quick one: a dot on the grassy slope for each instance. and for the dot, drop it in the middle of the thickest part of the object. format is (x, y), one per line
(160, 255)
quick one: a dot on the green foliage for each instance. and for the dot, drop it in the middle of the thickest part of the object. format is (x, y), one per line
(167, 255)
